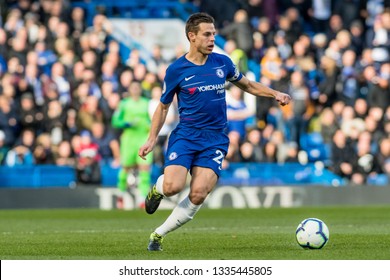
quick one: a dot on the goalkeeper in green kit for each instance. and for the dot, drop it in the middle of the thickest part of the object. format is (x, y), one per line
(133, 118)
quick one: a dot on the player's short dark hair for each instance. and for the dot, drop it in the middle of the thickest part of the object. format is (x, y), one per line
(192, 24)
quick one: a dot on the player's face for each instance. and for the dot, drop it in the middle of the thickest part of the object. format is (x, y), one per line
(205, 38)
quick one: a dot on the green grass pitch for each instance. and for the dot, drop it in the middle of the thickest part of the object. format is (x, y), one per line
(226, 234)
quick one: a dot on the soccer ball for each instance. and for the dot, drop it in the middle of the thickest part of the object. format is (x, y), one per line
(312, 233)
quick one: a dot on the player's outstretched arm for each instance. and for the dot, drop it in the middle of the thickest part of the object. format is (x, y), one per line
(259, 89)
(158, 120)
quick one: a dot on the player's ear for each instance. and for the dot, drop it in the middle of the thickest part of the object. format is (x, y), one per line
(191, 36)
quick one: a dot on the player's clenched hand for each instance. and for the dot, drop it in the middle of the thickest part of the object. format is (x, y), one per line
(283, 98)
(146, 149)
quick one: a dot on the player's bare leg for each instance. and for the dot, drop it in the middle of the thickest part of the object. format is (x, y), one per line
(170, 183)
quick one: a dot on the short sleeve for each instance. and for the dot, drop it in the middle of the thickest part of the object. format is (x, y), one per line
(233, 73)
(169, 87)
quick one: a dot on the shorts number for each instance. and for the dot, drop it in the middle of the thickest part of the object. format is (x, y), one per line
(218, 159)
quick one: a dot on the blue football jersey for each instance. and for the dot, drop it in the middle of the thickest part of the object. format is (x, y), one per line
(200, 90)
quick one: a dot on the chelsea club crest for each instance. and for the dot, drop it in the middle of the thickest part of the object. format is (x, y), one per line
(220, 73)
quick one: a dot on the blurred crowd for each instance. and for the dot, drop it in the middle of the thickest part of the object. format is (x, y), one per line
(61, 79)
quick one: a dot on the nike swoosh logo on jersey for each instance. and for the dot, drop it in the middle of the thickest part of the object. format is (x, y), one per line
(189, 78)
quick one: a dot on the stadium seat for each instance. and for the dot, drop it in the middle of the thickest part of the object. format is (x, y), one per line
(37, 176)
(315, 147)
(378, 180)
(313, 139)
